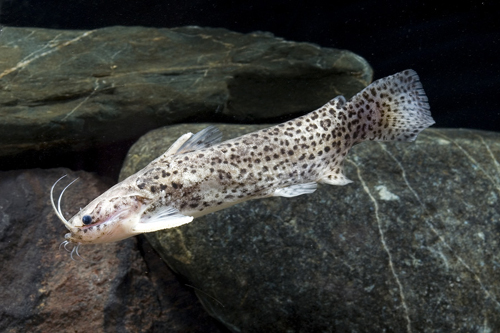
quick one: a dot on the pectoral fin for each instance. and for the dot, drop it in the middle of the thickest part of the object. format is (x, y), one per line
(163, 218)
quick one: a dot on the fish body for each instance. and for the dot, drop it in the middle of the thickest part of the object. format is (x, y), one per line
(199, 174)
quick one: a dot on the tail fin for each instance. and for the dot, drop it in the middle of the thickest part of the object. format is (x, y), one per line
(394, 108)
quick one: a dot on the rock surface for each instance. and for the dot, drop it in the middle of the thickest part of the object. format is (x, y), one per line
(71, 90)
(410, 246)
(128, 289)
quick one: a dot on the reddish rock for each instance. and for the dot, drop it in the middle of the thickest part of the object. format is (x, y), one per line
(43, 290)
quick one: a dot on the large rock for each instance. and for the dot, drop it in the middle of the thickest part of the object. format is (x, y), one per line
(43, 290)
(410, 246)
(70, 90)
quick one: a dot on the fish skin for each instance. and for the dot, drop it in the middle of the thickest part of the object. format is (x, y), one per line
(198, 175)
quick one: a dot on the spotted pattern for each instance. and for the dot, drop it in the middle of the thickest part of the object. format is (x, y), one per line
(308, 149)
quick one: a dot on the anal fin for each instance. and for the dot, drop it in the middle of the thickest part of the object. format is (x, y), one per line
(335, 177)
(163, 218)
(295, 190)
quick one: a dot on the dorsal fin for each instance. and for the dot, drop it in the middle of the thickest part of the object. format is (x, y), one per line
(205, 138)
(174, 148)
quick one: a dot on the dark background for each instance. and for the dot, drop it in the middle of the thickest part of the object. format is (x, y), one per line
(454, 48)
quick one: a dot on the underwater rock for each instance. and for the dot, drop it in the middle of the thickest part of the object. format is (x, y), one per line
(69, 90)
(43, 290)
(411, 245)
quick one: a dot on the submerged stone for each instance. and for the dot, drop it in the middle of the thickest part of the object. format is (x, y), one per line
(410, 245)
(71, 90)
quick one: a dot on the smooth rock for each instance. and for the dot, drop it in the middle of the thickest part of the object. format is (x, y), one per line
(70, 90)
(43, 290)
(410, 246)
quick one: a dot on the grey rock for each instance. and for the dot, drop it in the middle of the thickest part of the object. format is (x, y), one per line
(411, 246)
(70, 90)
(43, 290)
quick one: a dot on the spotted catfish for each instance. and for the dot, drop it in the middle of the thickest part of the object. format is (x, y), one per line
(199, 175)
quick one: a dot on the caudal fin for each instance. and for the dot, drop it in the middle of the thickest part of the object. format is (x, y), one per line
(394, 108)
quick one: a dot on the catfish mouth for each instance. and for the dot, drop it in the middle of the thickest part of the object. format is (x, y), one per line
(111, 219)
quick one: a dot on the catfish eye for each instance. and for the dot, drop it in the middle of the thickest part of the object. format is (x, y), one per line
(86, 219)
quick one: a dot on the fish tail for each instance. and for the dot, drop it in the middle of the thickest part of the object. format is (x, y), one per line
(394, 108)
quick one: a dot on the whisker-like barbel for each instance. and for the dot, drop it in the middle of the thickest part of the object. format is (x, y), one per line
(58, 208)
(73, 251)
(52, 200)
(60, 215)
(63, 244)
(60, 198)
(78, 254)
